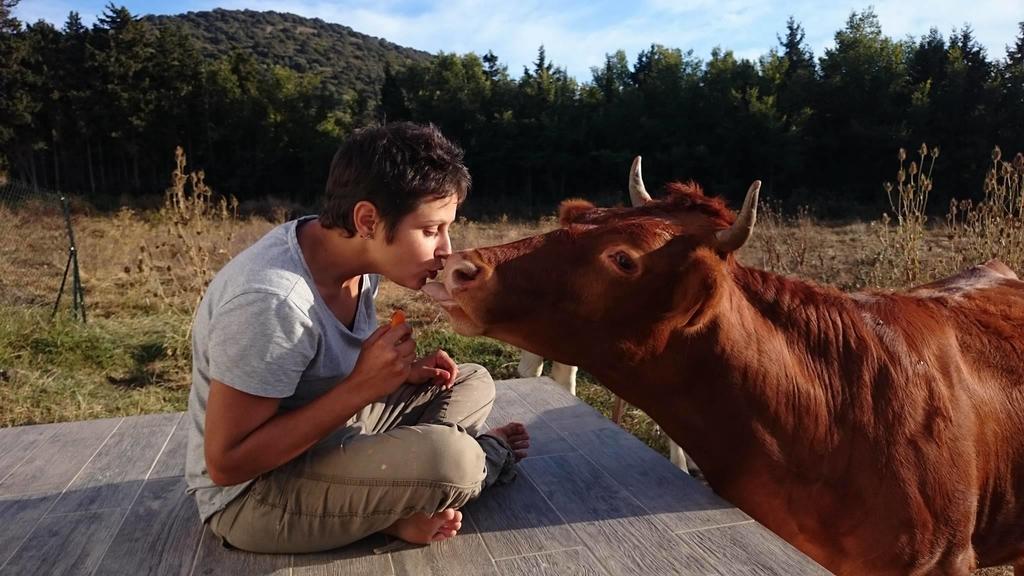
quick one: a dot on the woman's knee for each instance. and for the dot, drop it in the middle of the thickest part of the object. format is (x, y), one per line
(475, 379)
(452, 456)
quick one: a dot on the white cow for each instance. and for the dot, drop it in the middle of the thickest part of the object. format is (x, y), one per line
(532, 365)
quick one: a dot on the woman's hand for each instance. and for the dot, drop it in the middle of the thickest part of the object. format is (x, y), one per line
(437, 368)
(385, 362)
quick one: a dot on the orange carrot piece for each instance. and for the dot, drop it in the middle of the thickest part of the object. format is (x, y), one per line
(397, 317)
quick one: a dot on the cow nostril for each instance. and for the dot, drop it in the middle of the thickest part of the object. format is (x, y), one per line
(464, 276)
(465, 272)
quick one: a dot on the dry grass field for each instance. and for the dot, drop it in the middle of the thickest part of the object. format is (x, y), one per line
(143, 273)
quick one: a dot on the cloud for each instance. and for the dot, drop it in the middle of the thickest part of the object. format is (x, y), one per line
(577, 34)
(994, 21)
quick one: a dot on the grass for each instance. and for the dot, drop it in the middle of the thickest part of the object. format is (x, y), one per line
(62, 370)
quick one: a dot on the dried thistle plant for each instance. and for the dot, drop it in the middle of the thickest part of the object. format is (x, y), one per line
(786, 243)
(192, 210)
(901, 235)
(198, 227)
(994, 227)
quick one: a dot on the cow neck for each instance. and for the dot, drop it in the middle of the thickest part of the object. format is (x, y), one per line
(799, 334)
(767, 369)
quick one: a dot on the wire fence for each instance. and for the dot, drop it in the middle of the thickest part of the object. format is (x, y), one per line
(38, 255)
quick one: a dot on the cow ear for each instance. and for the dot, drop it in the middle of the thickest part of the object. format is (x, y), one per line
(569, 210)
(697, 292)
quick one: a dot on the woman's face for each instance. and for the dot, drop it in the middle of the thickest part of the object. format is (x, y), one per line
(421, 243)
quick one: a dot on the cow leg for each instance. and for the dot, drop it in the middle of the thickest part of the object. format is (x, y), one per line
(956, 562)
(564, 375)
(680, 459)
(530, 365)
(618, 410)
(677, 456)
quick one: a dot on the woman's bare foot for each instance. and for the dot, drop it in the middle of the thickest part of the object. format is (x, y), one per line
(515, 435)
(422, 529)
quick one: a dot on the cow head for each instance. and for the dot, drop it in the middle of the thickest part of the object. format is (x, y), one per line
(608, 282)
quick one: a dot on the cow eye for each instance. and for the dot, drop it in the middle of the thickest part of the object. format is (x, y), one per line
(624, 262)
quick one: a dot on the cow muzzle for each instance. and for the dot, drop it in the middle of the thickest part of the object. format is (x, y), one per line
(453, 292)
(458, 275)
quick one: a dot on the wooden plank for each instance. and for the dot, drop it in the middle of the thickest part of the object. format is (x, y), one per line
(68, 544)
(56, 462)
(463, 555)
(114, 475)
(675, 498)
(563, 411)
(356, 559)
(17, 444)
(574, 562)
(172, 459)
(515, 519)
(216, 560)
(616, 529)
(159, 536)
(18, 516)
(747, 548)
(540, 393)
(544, 439)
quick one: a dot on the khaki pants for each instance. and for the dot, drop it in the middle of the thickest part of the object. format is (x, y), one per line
(417, 450)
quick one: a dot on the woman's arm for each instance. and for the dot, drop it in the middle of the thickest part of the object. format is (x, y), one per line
(246, 436)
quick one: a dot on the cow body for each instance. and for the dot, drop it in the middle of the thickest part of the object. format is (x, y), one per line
(880, 433)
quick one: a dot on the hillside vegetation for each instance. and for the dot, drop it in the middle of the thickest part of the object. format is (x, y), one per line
(346, 60)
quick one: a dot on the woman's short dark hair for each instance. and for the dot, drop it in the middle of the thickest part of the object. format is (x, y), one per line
(395, 167)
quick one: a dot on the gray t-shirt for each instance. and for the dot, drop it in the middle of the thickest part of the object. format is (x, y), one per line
(263, 328)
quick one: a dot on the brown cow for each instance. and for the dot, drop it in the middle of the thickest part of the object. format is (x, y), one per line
(880, 433)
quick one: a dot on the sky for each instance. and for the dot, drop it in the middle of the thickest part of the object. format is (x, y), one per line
(577, 34)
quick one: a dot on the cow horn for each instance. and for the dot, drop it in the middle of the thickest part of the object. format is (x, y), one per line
(637, 193)
(733, 237)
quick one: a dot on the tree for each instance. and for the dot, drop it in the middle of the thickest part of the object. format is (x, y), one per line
(35, 144)
(121, 45)
(538, 84)
(1009, 112)
(796, 88)
(612, 79)
(1015, 53)
(8, 23)
(958, 119)
(861, 111)
(15, 104)
(739, 123)
(493, 69)
(927, 61)
(791, 75)
(98, 109)
(798, 56)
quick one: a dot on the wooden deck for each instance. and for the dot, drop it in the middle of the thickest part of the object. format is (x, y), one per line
(108, 497)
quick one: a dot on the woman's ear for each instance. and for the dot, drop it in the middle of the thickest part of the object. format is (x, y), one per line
(365, 218)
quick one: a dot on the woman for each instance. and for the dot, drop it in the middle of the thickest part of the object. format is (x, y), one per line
(312, 427)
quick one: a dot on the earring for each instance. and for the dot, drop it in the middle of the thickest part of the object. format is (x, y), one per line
(367, 236)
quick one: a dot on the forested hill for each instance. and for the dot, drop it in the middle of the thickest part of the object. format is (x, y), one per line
(348, 62)
(260, 101)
